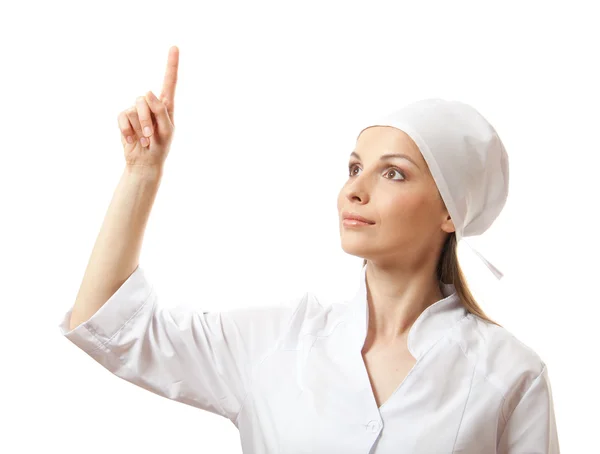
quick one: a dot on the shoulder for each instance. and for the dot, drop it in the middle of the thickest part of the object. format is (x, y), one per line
(506, 362)
(272, 323)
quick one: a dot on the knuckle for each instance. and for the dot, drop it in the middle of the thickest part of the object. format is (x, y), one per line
(158, 105)
(131, 112)
(124, 124)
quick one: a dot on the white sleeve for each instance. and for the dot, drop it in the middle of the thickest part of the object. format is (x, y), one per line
(203, 359)
(531, 428)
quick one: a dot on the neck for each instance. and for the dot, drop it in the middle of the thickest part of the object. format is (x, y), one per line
(396, 298)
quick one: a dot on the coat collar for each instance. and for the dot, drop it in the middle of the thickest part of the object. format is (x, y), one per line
(431, 325)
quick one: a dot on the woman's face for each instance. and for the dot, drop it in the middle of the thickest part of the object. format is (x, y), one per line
(399, 195)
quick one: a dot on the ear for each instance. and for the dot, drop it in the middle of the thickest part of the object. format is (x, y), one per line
(448, 225)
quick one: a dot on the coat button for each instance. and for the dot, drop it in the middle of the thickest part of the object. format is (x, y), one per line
(373, 426)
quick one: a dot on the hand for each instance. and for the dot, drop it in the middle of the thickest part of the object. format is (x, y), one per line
(145, 150)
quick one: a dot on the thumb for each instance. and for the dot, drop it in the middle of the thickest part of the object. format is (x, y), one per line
(160, 111)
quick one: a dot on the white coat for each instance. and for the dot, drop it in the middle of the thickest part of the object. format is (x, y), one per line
(293, 380)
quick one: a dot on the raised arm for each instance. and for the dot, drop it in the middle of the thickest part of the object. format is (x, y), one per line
(200, 358)
(146, 134)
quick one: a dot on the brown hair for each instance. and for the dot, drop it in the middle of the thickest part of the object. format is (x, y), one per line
(449, 271)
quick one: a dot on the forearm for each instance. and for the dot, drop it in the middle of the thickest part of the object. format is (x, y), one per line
(116, 252)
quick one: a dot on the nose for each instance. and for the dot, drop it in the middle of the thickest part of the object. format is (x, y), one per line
(356, 192)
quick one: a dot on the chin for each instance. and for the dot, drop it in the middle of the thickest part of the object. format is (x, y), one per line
(355, 248)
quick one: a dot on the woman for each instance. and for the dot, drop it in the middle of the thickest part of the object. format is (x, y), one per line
(410, 364)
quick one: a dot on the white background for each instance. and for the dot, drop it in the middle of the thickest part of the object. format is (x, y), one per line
(269, 101)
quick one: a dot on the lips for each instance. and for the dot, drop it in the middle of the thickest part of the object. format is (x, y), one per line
(356, 217)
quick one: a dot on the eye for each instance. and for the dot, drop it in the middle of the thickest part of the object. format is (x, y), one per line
(396, 171)
(389, 170)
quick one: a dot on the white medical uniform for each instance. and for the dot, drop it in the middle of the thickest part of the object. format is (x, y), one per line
(293, 380)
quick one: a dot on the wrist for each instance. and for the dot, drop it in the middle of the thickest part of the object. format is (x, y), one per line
(144, 172)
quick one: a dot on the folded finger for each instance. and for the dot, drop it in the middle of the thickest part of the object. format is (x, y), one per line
(132, 116)
(159, 109)
(126, 128)
(145, 118)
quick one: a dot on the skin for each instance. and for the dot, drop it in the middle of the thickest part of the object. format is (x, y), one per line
(147, 127)
(402, 247)
(404, 244)
(117, 248)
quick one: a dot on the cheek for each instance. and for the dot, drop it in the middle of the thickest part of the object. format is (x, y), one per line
(409, 212)
(339, 201)
(411, 205)
(342, 198)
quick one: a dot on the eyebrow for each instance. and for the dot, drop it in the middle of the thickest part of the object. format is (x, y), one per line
(384, 157)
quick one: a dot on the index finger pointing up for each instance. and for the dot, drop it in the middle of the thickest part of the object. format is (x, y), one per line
(170, 81)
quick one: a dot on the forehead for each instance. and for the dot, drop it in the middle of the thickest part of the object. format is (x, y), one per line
(377, 140)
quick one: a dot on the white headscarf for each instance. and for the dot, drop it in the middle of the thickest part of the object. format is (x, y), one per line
(466, 158)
